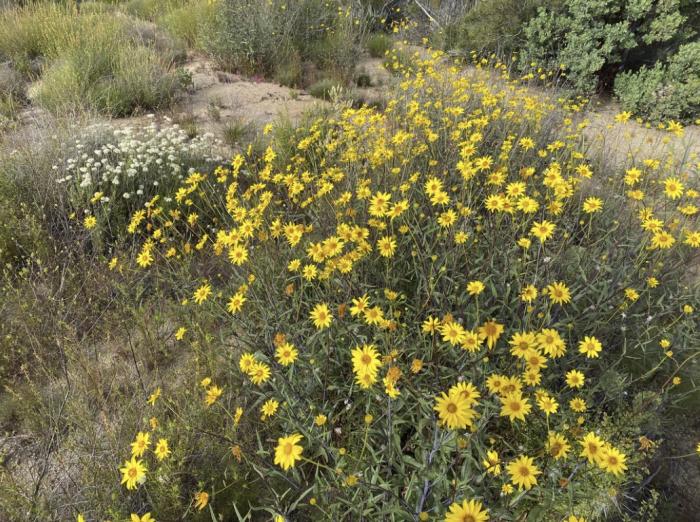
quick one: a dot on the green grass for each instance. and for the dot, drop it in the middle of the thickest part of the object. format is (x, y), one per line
(378, 44)
(189, 22)
(131, 78)
(109, 64)
(271, 38)
(236, 132)
(323, 89)
(151, 9)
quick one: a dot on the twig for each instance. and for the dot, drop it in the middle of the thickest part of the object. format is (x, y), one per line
(430, 17)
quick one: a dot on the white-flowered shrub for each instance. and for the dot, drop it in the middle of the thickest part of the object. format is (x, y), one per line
(111, 171)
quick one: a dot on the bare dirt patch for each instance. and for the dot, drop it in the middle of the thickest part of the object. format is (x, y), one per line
(622, 140)
(218, 98)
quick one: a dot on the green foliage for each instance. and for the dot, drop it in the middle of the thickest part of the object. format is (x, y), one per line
(665, 91)
(109, 172)
(587, 42)
(291, 72)
(152, 9)
(260, 37)
(378, 44)
(118, 84)
(335, 171)
(189, 22)
(323, 89)
(493, 26)
(235, 132)
(69, 378)
(398, 61)
(31, 205)
(21, 234)
(584, 44)
(85, 340)
(111, 64)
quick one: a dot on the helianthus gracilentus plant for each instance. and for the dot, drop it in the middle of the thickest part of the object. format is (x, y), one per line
(434, 311)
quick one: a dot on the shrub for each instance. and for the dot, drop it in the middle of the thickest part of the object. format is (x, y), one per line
(384, 14)
(291, 71)
(110, 64)
(399, 312)
(665, 91)
(27, 33)
(189, 22)
(493, 26)
(324, 89)
(242, 37)
(132, 78)
(236, 132)
(399, 60)
(257, 37)
(109, 171)
(588, 42)
(73, 359)
(337, 53)
(362, 78)
(378, 45)
(152, 10)
(35, 214)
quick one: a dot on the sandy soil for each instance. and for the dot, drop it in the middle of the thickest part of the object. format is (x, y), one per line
(217, 98)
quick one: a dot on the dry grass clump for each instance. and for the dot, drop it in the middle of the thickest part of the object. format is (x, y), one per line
(90, 61)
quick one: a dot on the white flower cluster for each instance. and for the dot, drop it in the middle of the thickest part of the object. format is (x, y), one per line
(127, 162)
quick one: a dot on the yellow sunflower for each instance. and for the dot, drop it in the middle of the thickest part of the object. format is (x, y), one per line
(454, 410)
(523, 472)
(472, 511)
(288, 451)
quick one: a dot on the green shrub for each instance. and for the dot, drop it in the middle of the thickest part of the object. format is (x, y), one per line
(665, 91)
(260, 37)
(378, 44)
(371, 260)
(109, 172)
(398, 61)
(290, 71)
(28, 33)
(242, 37)
(68, 379)
(236, 132)
(189, 21)
(362, 78)
(324, 88)
(492, 26)
(336, 55)
(28, 186)
(587, 42)
(152, 9)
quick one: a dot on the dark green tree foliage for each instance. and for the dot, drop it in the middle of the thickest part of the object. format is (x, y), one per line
(591, 41)
(668, 90)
